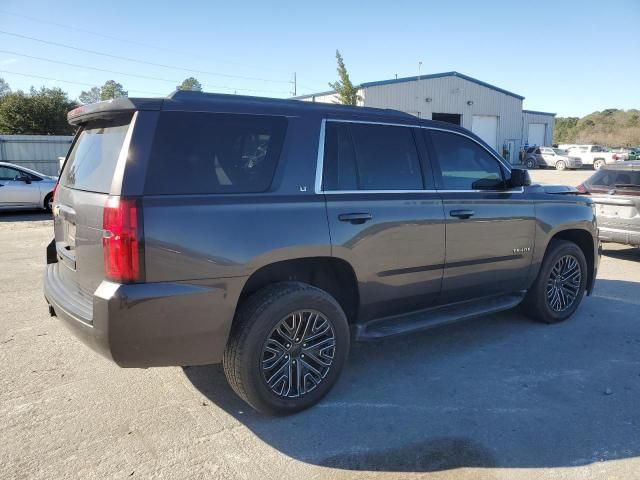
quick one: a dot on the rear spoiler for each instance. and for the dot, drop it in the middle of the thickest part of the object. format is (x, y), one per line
(108, 108)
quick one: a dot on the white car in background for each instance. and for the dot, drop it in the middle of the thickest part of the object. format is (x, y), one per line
(595, 155)
(22, 187)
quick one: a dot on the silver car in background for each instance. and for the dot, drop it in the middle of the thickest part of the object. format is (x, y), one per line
(541, 157)
(22, 187)
(615, 191)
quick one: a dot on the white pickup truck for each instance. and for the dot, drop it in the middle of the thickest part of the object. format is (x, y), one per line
(595, 155)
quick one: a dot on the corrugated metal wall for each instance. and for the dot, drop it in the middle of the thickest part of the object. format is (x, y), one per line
(450, 95)
(38, 152)
(529, 117)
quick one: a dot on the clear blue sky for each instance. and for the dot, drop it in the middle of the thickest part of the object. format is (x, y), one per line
(569, 57)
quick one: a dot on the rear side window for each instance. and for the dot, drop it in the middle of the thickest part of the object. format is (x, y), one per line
(465, 165)
(94, 156)
(370, 157)
(200, 153)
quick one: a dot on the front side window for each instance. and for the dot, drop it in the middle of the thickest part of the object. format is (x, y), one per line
(361, 156)
(465, 165)
(201, 153)
(7, 173)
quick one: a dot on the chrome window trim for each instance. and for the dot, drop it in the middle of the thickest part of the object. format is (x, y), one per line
(320, 161)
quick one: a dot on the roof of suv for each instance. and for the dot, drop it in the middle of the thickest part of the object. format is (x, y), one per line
(184, 100)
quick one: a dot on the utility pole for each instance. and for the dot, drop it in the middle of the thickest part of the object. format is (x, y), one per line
(295, 85)
(419, 68)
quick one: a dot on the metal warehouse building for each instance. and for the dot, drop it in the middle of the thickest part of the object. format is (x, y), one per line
(492, 113)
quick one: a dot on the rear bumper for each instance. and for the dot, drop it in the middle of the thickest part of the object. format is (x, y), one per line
(151, 324)
(619, 235)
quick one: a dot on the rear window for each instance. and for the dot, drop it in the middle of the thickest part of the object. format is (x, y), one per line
(607, 179)
(200, 153)
(94, 156)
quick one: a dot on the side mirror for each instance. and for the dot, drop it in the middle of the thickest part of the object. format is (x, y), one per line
(519, 178)
(24, 178)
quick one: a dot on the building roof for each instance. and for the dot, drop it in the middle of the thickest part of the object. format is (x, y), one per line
(534, 112)
(422, 77)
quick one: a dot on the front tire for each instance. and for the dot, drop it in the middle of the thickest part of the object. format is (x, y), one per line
(561, 165)
(598, 164)
(530, 164)
(558, 290)
(287, 347)
(48, 202)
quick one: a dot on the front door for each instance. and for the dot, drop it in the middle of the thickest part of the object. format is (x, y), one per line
(381, 219)
(17, 193)
(489, 229)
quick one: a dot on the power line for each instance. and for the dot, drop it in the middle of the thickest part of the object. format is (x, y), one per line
(133, 42)
(144, 62)
(70, 81)
(146, 77)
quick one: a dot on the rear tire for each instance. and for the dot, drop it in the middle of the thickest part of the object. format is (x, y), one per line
(268, 362)
(561, 165)
(530, 164)
(598, 164)
(558, 290)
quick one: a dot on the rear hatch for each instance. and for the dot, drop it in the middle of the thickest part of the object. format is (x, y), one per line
(84, 188)
(616, 194)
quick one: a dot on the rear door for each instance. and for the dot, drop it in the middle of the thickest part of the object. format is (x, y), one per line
(385, 218)
(489, 229)
(85, 184)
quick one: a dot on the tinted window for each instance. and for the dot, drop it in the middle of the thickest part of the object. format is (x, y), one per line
(606, 179)
(7, 173)
(94, 156)
(370, 157)
(214, 153)
(464, 164)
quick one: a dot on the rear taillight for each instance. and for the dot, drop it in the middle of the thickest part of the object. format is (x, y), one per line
(614, 156)
(582, 189)
(121, 240)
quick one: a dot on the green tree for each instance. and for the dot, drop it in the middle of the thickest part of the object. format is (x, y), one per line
(347, 93)
(92, 95)
(4, 88)
(190, 83)
(39, 112)
(112, 89)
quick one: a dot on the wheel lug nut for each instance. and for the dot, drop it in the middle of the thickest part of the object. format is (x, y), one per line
(304, 344)
(297, 339)
(302, 356)
(288, 345)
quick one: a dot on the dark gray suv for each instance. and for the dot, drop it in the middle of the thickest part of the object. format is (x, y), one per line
(268, 234)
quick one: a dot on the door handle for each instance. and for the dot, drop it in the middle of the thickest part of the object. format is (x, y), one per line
(355, 218)
(461, 213)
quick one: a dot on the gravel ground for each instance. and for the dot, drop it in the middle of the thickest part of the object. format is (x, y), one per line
(499, 397)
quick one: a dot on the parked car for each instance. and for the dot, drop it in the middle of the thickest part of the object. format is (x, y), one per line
(634, 154)
(621, 153)
(541, 157)
(268, 234)
(594, 155)
(615, 190)
(22, 188)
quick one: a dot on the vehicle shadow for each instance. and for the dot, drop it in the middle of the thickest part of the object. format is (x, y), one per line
(24, 216)
(498, 391)
(622, 253)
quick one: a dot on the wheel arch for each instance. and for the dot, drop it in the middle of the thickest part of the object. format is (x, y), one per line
(585, 241)
(333, 275)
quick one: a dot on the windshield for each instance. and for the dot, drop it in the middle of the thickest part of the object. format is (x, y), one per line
(94, 156)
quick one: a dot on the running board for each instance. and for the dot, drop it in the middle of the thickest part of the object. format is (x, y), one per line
(436, 316)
